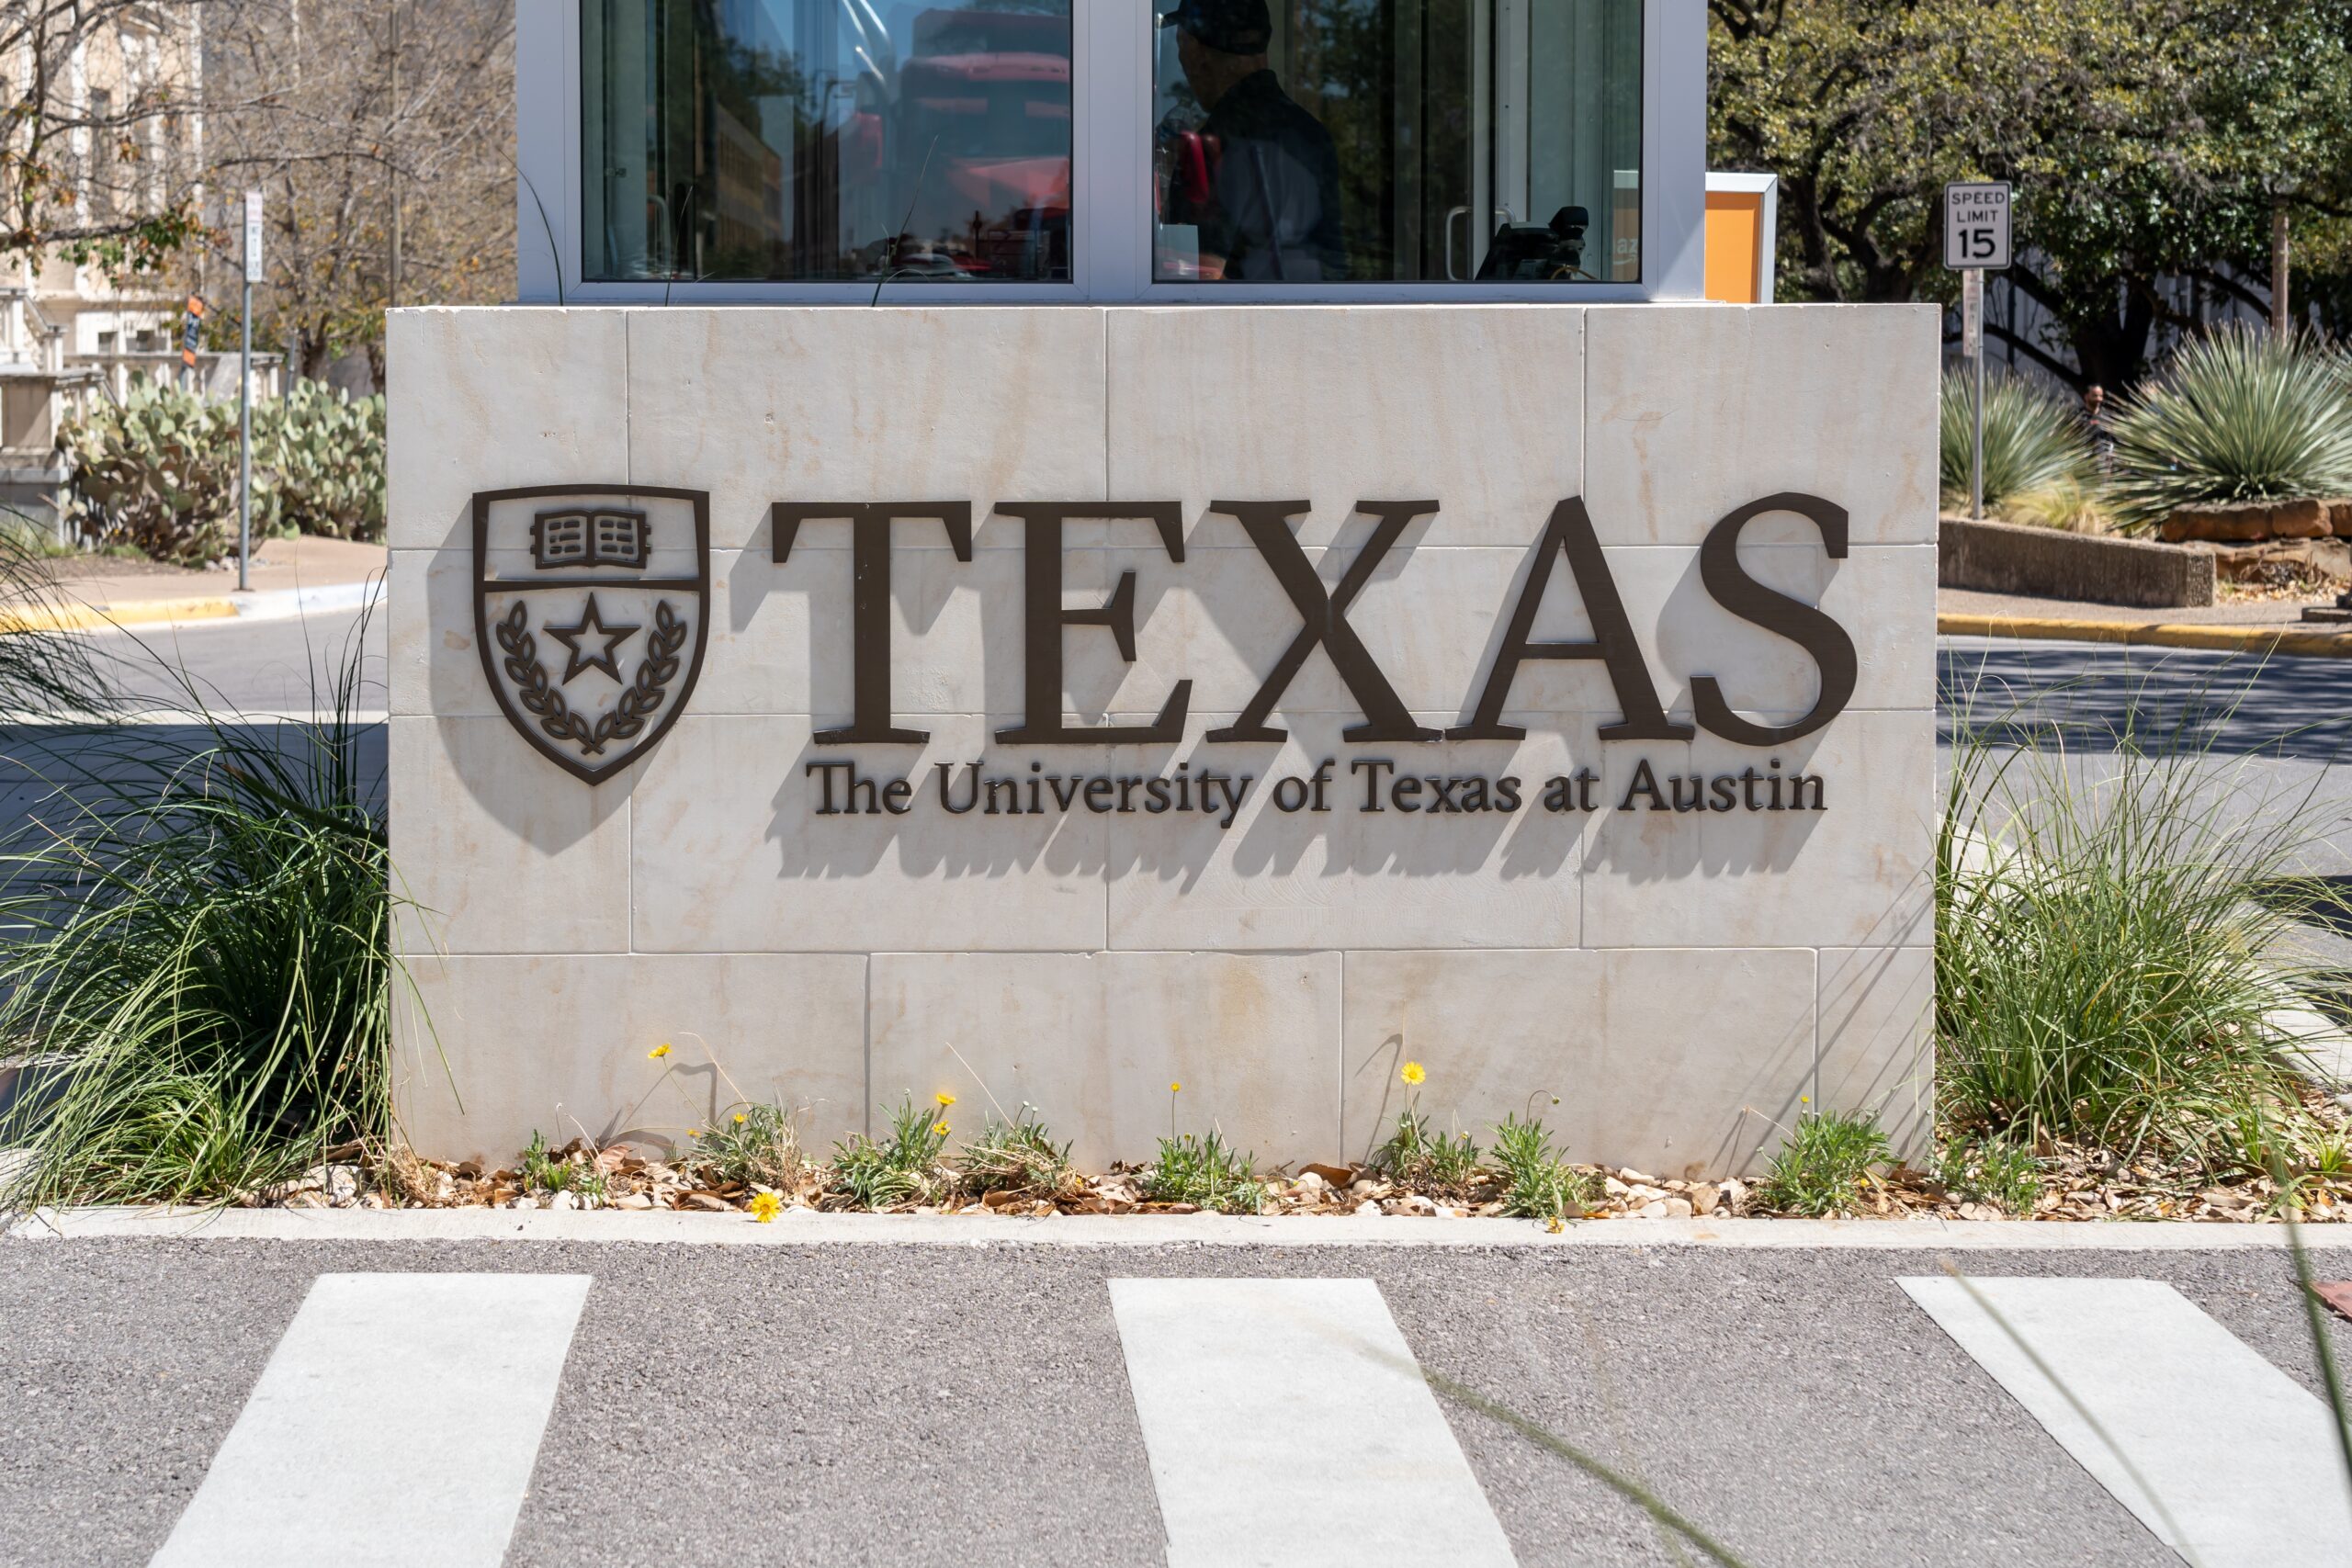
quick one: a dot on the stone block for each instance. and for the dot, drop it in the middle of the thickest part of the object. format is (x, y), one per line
(1673, 1063)
(1407, 875)
(1336, 404)
(729, 853)
(820, 404)
(492, 398)
(771, 1028)
(496, 850)
(1878, 1040)
(1093, 1041)
(2048, 563)
(2246, 522)
(1853, 874)
(1692, 411)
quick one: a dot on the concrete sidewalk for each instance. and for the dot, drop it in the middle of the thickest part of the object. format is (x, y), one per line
(2264, 627)
(289, 577)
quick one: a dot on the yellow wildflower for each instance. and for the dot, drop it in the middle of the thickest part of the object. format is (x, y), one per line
(658, 1052)
(1175, 1089)
(1413, 1075)
(765, 1207)
(939, 1129)
(944, 1099)
(738, 1119)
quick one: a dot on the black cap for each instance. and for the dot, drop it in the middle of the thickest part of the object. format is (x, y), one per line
(1229, 26)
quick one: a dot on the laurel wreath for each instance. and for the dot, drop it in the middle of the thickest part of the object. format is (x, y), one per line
(543, 699)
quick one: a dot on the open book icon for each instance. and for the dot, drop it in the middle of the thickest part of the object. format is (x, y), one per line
(605, 537)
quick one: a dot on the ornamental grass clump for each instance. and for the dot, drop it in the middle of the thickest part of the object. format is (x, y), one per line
(194, 958)
(1821, 1164)
(2110, 955)
(2034, 444)
(2237, 415)
(1205, 1172)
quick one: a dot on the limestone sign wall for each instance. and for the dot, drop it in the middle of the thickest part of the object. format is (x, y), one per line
(1045, 706)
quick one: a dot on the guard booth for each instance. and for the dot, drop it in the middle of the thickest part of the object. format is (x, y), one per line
(1037, 550)
(1054, 149)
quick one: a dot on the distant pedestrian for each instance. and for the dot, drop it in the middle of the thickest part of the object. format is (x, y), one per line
(2095, 417)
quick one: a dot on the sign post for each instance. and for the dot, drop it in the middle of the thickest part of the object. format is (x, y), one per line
(1977, 240)
(191, 339)
(245, 397)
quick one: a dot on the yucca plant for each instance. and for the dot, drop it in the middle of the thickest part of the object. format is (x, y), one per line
(2033, 443)
(2235, 415)
(196, 974)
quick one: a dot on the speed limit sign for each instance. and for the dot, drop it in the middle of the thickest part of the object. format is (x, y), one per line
(1976, 226)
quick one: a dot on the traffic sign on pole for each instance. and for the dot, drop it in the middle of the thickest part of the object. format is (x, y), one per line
(245, 397)
(1976, 225)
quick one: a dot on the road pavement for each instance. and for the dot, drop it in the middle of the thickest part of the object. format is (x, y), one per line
(972, 1404)
(288, 665)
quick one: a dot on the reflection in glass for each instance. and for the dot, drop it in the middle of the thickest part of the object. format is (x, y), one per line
(1398, 140)
(817, 140)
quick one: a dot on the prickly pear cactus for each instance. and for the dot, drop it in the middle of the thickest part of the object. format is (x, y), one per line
(160, 471)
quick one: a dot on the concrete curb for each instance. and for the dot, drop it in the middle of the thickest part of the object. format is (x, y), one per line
(805, 1227)
(2228, 639)
(278, 604)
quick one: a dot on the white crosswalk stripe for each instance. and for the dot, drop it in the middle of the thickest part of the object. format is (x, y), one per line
(2222, 1456)
(1231, 1377)
(397, 1423)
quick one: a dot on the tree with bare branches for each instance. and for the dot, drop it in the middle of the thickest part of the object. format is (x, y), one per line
(100, 154)
(381, 136)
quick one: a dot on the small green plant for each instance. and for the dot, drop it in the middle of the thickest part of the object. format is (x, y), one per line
(1015, 1156)
(901, 1169)
(1205, 1172)
(755, 1145)
(1537, 1184)
(2236, 415)
(2033, 443)
(542, 1169)
(1822, 1163)
(1417, 1156)
(1992, 1170)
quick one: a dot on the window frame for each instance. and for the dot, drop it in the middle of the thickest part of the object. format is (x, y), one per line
(1112, 46)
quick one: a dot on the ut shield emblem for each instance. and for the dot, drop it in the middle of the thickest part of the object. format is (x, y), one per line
(591, 607)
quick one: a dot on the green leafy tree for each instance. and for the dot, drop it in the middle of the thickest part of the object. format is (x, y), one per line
(2149, 139)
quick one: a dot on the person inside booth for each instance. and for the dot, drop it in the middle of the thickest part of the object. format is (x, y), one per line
(1258, 179)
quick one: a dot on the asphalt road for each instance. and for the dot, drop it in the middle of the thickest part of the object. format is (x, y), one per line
(291, 665)
(967, 1407)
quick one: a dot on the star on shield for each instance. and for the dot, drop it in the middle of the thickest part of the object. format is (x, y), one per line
(592, 629)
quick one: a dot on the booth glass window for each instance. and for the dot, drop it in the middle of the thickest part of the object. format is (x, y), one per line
(1428, 141)
(826, 141)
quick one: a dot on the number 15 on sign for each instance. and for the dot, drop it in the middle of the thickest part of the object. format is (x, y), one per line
(1976, 226)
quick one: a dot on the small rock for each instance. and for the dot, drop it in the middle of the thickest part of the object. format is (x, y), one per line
(1310, 1184)
(1735, 1194)
(1450, 1213)
(1363, 1187)
(1655, 1210)
(1679, 1208)
(562, 1201)
(634, 1200)
(307, 1201)
(524, 1202)
(1614, 1187)
(1645, 1193)
(1703, 1198)
(342, 1182)
(1368, 1208)
(1411, 1203)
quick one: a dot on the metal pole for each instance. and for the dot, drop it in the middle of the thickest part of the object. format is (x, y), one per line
(245, 444)
(1972, 312)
